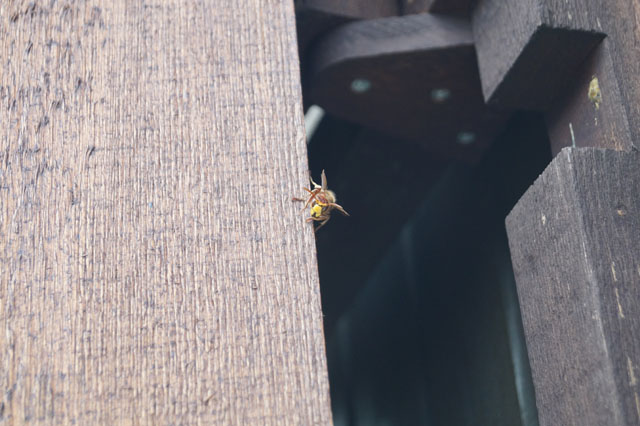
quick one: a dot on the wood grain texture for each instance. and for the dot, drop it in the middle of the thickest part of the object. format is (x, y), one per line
(576, 120)
(620, 19)
(529, 49)
(153, 269)
(357, 9)
(574, 239)
(316, 17)
(616, 125)
(445, 7)
(406, 60)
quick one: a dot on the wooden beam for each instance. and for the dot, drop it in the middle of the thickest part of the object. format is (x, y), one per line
(357, 9)
(153, 268)
(315, 17)
(446, 7)
(412, 77)
(574, 239)
(528, 50)
(539, 54)
(619, 20)
(590, 112)
(613, 120)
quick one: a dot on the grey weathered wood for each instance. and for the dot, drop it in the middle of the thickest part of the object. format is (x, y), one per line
(576, 119)
(619, 19)
(614, 122)
(153, 269)
(530, 56)
(529, 49)
(575, 246)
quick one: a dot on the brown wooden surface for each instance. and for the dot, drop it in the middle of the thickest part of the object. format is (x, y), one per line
(447, 7)
(531, 52)
(315, 17)
(528, 50)
(407, 59)
(153, 269)
(574, 239)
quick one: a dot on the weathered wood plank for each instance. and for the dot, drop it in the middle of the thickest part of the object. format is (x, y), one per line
(530, 56)
(153, 269)
(614, 121)
(529, 49)
(315, 17)
(575, 239)
(357, 9)
(413, 77)
(590, 112)
(446, 7)
(620, 20)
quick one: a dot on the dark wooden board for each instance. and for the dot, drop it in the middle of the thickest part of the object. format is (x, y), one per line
(620, 21)
(407, 60)
(616, 124)
(312, 23)
(357, 9)
(574, 239)
(153, 269)
(590, 112)
(315, 17)
(460, 8)
(529, 49)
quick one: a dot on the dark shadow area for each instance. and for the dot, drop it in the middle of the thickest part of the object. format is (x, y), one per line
(423, 324)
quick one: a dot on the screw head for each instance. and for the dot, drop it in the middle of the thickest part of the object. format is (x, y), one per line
(440, 95)
(360, 85)
(466, 138)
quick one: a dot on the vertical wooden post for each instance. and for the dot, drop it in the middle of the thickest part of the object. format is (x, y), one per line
(575, 245)
(153, 269)
(575, 234)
